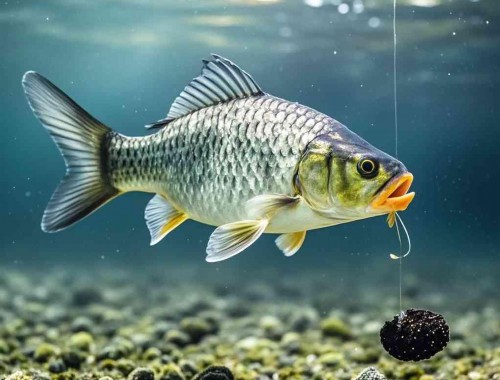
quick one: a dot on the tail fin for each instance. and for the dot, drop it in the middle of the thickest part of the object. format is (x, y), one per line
(79, 137)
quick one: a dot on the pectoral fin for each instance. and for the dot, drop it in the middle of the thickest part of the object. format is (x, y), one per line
(266, 205)
(290, 243)
(230, 239)
(161, 218)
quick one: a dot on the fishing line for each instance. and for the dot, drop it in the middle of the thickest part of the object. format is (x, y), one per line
(394, 257)
(400, 257)
(395, 77)
(395, 90)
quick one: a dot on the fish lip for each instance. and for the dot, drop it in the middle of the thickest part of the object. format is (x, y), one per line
(394, 195)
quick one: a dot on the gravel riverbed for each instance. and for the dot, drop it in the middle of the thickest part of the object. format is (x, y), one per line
(172, 324)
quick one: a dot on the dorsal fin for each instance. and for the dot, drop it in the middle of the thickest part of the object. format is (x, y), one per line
(220, 81)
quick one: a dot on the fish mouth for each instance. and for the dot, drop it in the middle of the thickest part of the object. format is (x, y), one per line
(394, 195)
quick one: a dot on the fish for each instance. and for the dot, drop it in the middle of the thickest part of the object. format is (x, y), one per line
(227, 154)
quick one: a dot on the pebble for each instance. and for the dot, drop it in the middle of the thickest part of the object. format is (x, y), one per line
(141, 374)
(236, 308)
(73, 359)
(177, 337)
(171, 372)
(474, 375)
(196, 328)
(4, 347)
(152, 353)
(291, 343)
(119, 348)
(332, 360)
(215, 373)
(86, 296)
(81, 324)
(370, 374)
(335, 327)
(304, 319)
(188, 367)
(28, 375)
(57, 366)
(44, 352)
(81, 341)
(271, 327)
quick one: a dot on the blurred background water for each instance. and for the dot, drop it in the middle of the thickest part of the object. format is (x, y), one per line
(126, 60)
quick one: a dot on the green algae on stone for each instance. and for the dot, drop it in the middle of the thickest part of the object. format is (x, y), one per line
(409, 372)
(188, 367)
(56, 366)
(258, 350)
(81, 341)
(215, 373)
(107, 364)
(204, 360)
(335, 327)
(44, 352)
(119, 348)
(332, 360)
(125, 366)
(196, 328)
(427, 377)
(171, 372)
(16, 357)
(4, 347)
(141, 374)
(73, 359)
(271, 327)
(291, 342)
(28, 375)
(177, 337)
(303, 319)
(151, 353)
(363, 355)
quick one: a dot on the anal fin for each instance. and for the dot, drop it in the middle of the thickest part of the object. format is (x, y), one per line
(161, 218)
(232, 238)
(290, 243)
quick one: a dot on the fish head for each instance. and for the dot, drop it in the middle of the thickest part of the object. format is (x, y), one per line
(340, 175)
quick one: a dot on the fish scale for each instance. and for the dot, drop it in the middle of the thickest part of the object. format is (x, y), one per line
(210, 162)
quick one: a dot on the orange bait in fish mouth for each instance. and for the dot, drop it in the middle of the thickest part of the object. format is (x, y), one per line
(394, 196)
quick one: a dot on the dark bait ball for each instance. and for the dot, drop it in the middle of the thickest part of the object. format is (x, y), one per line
(415, 335)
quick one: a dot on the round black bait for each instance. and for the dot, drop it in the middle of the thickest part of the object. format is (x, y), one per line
(415, 335)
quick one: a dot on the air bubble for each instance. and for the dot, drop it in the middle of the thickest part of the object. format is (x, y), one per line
(374, 22)
(343, 8)
(314, 3)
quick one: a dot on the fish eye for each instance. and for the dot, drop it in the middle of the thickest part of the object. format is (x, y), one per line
(367, 168)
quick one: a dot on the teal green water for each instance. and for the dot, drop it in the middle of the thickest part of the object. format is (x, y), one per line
(125, 61)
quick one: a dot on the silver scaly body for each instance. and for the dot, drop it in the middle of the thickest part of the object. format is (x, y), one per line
(209, 163)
